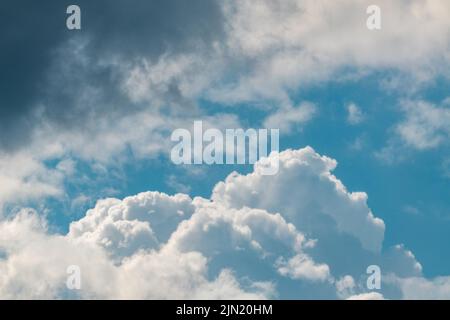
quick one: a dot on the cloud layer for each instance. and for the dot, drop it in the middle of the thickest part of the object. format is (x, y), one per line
(109, 89)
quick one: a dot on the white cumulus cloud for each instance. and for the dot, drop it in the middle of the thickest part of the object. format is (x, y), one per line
(241, 243)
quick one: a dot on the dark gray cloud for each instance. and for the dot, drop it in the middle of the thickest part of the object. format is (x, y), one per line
(28, 31)
(33, 33)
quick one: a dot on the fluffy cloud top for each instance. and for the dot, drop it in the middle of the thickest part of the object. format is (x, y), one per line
(242, 244)
(304, 202)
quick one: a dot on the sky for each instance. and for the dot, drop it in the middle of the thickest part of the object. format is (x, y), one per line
(86, 177)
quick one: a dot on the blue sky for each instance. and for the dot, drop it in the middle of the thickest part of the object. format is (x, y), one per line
(88, 117)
